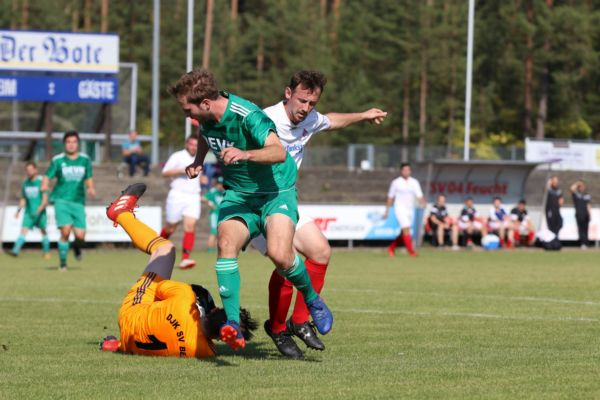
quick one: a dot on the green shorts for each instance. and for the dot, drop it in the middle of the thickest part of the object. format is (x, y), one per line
(214, 219)
(69, 213)
(31, 221)
(255, 208)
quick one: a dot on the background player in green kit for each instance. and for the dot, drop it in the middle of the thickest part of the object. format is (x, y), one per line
(73, 173)
(213, 198)
(260, 196)
(33, 203)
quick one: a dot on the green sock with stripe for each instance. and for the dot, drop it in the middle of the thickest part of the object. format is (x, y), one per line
(299, 277)
(45, 244)
(228, 279)
(63, 250)
(18, 244)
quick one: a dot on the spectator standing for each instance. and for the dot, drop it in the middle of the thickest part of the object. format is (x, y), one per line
(554, 199)
(583, 210)
(133, 154)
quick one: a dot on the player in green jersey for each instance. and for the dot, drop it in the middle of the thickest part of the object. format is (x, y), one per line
(33, 204)
(213, 198)
(260, 196)
(73, 172)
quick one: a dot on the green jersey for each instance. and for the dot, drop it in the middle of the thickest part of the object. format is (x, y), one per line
(214, 196)
(246, 127)
(70, 177)
(32, 193)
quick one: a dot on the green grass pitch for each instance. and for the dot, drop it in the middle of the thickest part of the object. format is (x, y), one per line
(515, 324)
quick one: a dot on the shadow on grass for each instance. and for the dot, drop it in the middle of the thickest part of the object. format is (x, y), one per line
(252, 351)
(55, 268)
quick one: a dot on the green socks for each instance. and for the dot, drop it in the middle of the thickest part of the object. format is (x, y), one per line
(18, 244)
(45, 244)
(228, 278)
(63, 249)
(299, 277)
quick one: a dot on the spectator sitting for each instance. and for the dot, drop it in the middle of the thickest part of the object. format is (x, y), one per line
(521, 224)
(440, 222)
(133, 155)
(469, 223)
(499, 223)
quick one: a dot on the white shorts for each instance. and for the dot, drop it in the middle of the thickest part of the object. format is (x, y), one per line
(181, 204)
(463, 226)
(404, 216)
(495, 225)
(260, 242)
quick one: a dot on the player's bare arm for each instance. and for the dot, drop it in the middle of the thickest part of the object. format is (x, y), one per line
(194, 169)
(388, 204)
(45, 184)
(44, 203)
(21, 206)
(342, 120)
(273, 152)
(91, 190)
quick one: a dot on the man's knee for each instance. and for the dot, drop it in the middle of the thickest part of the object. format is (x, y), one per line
(321, 253)
(282, 258)
(165, 249)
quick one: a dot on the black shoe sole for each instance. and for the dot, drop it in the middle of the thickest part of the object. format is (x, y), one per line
(299, 355)
(137, 189)
(318, 347)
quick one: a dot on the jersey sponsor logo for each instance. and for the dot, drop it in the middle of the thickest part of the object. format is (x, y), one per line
(217, 145)
(32, 192)
(72, 172)
(295, 148)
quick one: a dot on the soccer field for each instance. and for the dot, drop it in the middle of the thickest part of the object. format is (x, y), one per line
(516, 324)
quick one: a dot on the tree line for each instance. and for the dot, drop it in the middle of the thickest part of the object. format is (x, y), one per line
(535, 61)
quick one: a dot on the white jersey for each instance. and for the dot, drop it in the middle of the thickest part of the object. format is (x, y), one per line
(181, 183)
(295, 137)
(405, 192)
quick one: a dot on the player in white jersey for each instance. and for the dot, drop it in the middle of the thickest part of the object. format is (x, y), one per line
(297, 121)
(404, 193)
(183, 200)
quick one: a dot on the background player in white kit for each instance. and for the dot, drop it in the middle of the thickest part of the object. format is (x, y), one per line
(297, 121)
(404, 192)
(183, 200)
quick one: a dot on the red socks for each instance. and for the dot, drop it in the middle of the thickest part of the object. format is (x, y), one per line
(517, 236)
(316, 272)
(164, 234)
(530, 238)
(408, 243)
(187, 244)
(280, 298)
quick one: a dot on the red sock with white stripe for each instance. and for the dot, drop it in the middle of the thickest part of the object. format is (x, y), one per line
(187, 244)
(316, 272)
(280, 298)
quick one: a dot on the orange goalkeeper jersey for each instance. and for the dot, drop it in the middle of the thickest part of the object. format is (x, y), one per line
(160, 318)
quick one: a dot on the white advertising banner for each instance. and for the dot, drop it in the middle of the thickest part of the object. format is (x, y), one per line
(348, 222)
(565, 155)
(99, 227)
(59, 52)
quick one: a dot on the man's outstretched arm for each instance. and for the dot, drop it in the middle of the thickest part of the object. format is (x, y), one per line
(342, 120)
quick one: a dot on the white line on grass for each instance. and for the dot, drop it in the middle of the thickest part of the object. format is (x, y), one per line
(343, 310)
(474, 296)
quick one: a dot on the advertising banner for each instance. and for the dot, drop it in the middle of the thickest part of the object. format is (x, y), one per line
(567, 155)
(59, 89)
(59, 52)
(99, 227)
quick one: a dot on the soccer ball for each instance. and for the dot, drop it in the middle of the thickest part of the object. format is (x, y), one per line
(490, 242)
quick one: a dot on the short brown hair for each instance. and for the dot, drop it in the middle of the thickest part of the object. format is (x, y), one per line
(196, 86)
(310, 80)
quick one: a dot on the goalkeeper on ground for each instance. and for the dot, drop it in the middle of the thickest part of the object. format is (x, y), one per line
(161, 317)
